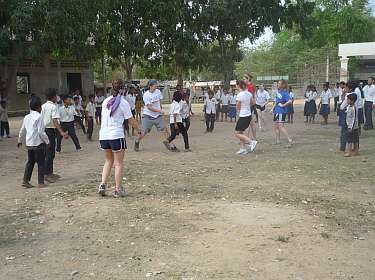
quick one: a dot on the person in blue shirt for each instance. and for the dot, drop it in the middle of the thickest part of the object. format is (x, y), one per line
(282, 101)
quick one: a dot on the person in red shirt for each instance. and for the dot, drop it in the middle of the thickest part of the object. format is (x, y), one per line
(251, 88)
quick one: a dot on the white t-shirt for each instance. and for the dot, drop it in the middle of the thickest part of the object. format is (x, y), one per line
(67, 113)
(218, 95)
(131, 100)
(99, 100)
(111, 126)
(225, 99)
(325, 96)
(175, 109)
(50, 111)
(245, 98)
(262, 97)
(153, 99)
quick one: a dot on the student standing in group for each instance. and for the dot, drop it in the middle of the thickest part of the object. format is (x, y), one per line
(115, 110)
(99, 98)
(336, 94)
(310, 109)
(36, 141)
(243, 106)
(51, 117)
(282, 101)
(262, 99)
(369, 92)
(348, 89)
(325, 100)
(152, 114)
(129, 96)
(210, 111)
(359, 105)
(4, 122)
(90, 115)
(225, 98)
(232, 106)
(352, 126)
(291, 106)
(217, 96)
(176, 124)
(66, 112)
(78, 116)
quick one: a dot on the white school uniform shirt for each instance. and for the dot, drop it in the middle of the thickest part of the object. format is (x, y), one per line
(225, 99)
(175, 108)
(49, 112)
(291, 94)
(369, 92)
(34, 130)
(359, 102)
(218, 95)
(232, 99)
(210, 105)
(185, 109)
(153, 99)
(99, 100)
(79, 108)
(90, 109)
(80, 98)
(336, 92)
(325, 96)
(262, 97)
(245, 97)
(340, 95)
(67, 113)
(112, 126)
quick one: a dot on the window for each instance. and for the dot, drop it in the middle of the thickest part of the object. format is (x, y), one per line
(23, 83)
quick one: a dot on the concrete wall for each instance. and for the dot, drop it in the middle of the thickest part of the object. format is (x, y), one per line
(43, 77)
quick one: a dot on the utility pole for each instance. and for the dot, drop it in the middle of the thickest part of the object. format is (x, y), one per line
(327, 69)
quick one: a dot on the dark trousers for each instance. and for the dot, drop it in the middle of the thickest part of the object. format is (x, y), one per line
(4, 129)
(181, 129)
(90, 127)
(210, 122)
(68, 127)
(79, 120)
(218, 109)
(35, 155)
(336, 100)
(187, 123)
(368, 115)
(343, 138)
(50, 151)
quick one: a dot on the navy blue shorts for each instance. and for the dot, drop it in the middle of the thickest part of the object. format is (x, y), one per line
(116, 145)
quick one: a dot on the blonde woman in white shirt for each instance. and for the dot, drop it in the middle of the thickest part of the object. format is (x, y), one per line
(115, 110)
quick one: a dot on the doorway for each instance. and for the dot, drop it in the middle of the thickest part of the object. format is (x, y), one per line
(74, 81)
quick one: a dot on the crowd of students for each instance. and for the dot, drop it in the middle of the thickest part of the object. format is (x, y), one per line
(48, 124)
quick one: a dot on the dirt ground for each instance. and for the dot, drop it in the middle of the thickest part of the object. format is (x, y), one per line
(304, 213)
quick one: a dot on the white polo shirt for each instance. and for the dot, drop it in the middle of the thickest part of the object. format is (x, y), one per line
(262, 97)
(90, 109)
(359, 102)
(369, 92)
(34, 130)
(225, 99)
(67, 113)
(112, 126)
(49, 112)
(325, 96)
(153, 99)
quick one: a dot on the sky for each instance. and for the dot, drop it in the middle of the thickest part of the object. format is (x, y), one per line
(268, 34)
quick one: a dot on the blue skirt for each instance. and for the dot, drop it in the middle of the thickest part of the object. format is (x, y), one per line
(310, 108)
(232, 111)
(324, 110)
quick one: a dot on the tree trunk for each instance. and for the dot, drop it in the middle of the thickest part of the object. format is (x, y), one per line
(59, 77)
(127, 64)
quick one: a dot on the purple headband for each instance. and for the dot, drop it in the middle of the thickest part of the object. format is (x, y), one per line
(114, 102)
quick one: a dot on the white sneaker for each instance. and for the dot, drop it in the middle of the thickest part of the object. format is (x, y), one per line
(241, 152)
(253, 145)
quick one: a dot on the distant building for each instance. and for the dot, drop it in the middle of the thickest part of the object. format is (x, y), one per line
(34, 78)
